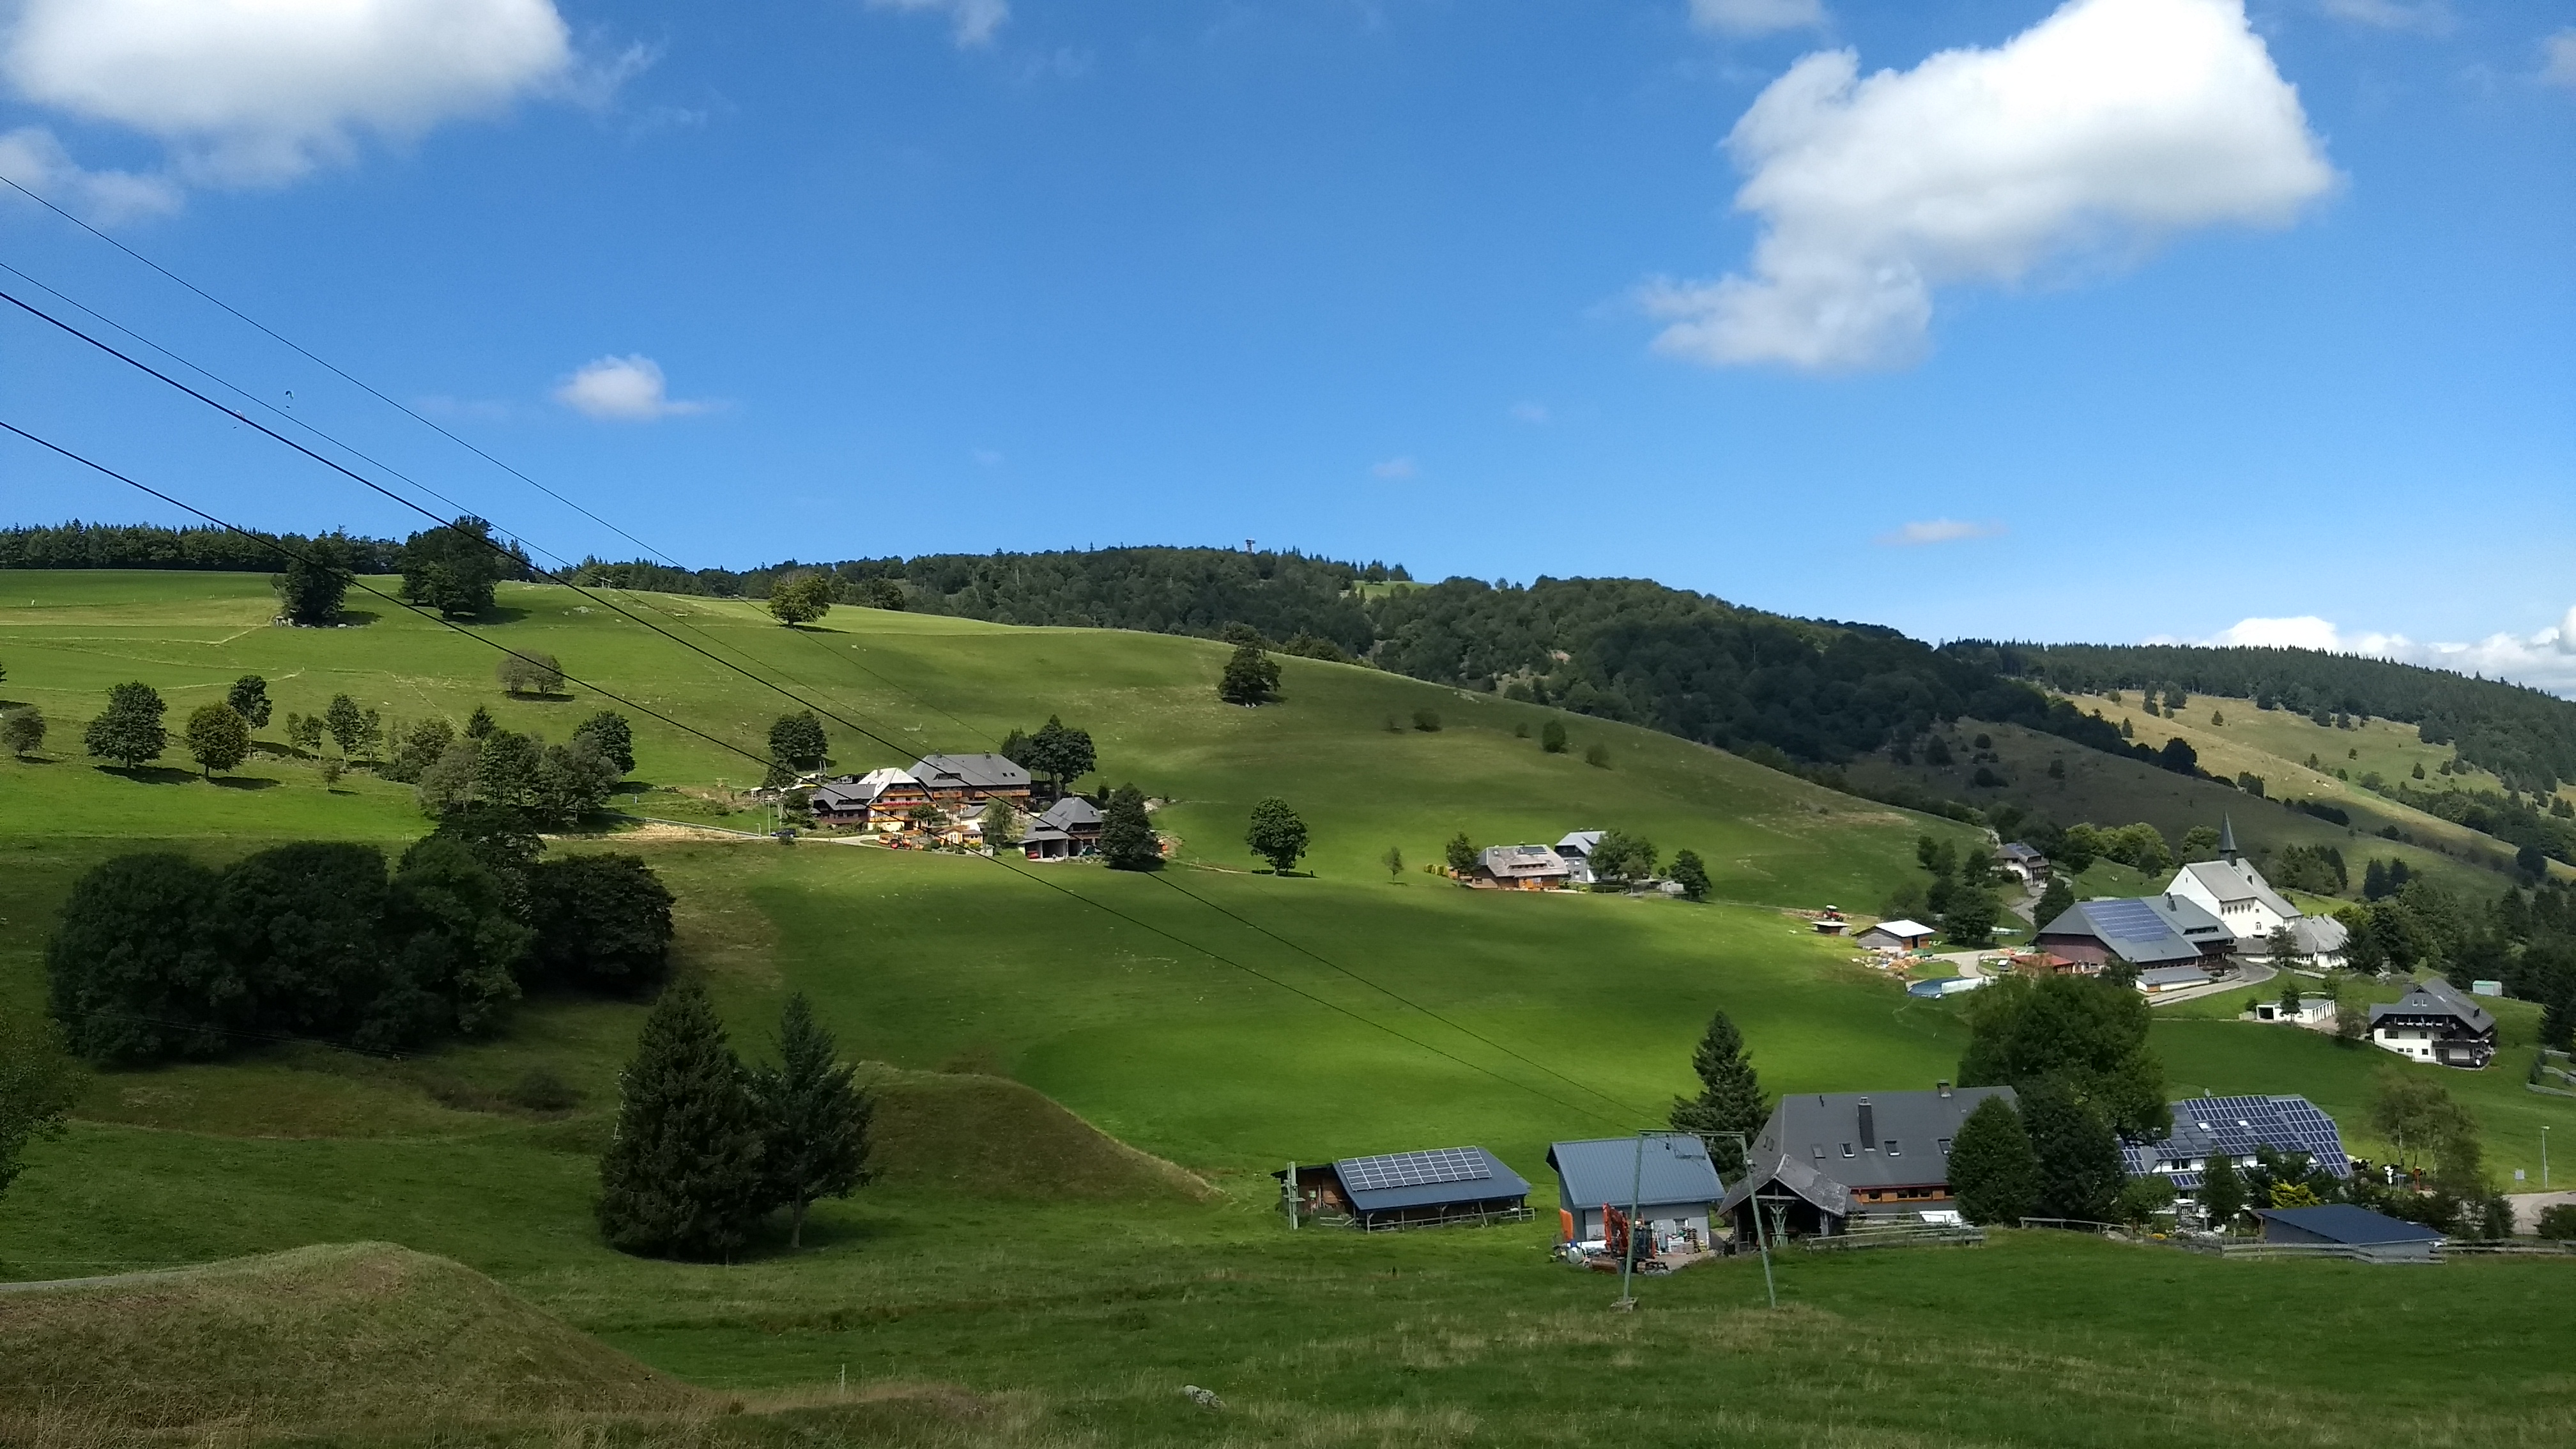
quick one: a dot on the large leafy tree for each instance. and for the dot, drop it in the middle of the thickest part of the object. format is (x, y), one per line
(22, 729)
(352, 728)
(1276, 834)
(455, 568)
(132, 969)
(2080, 1172)
(2090, 1033)
(1691, 874)
(455, 948)
(299, 927)
(129, 731)
(2055, 901)
(682, 1177)
(218, 739)
(1993, 1174)
(798, 742)
(249, 698)
(1126, 835)
(603, 921)
(813, 1118)
(1730, 1096)
(315, 582)
(1250, 678)
(611, 735)
(1623, 857)
(38, 1084)
(1061, 753)
(800, 598)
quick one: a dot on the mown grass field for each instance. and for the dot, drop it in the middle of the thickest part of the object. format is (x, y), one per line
(1066, 1311)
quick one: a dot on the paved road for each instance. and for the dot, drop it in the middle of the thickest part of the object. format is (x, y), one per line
(2252, 973)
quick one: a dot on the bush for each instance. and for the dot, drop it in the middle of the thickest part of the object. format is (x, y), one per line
(1427, 720)
(1597, 756)
(1551, 737)
(2558, 1222)
(603, 922)
(539, 1090)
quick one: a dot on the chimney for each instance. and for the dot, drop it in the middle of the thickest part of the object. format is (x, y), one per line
(1868, 1128)
(1941, 1087)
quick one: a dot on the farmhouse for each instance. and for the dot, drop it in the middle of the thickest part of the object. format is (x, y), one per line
(1522, 868)
(2371, 1237)
(1576, 851)
(2147, 932)
(1069, 828)
(2435, 1022)
(1410, 1189)
(960, 784)
(1898, 935)
(2207, 1129)
(879, 798)
(2022, 862)
(1668, 1176)
(1826, 1158)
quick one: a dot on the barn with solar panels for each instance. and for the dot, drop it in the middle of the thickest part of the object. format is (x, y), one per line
(1410, 1189)
(2150, 932)
(2234, 1128)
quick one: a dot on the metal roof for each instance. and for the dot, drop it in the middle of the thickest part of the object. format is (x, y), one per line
(1425, 1179)
(1662, 1170)
(1519, 861)
(2355, 1226)
(2144, 930)
(2237, 880)
(973, 772)
(2436, 998)
(2233, 1127)
(1579, 842)
(1904, 1139)
(1071, 811)
(2186, 974)
(1901, 928)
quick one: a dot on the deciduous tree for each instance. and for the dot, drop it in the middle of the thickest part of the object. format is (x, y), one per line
(455, 568)
(2091, 1035)
(1691, 874)
(2222, 1192)
(129, 731)
(1551, 737)
(249, 698)
(22, 730)
(1276, 834)
(2080, 1171)
(1250, 678)
(38, 1084)
(798, 742)
(347, 724)
(311, 590)
(529, 672)
(1126, 835)
(800, 598)
(217, 738)
(1992, 1171)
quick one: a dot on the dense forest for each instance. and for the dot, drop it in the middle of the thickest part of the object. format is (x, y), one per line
(2527, 737)
(78, 545)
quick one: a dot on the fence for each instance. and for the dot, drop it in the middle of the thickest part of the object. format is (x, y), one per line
(1926, 1235)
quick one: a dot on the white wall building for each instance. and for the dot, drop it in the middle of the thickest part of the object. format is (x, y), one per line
(2231, 889)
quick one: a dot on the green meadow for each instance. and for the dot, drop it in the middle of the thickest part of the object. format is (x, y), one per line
(1225, 1020)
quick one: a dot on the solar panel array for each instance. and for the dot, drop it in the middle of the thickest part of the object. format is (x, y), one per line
(1412, 1169)
(2129, 920)
(2235, 1126)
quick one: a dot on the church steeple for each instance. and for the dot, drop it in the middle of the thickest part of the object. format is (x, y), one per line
(2227, 839)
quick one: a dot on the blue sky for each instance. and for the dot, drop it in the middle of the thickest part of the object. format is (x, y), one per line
(2141, 318)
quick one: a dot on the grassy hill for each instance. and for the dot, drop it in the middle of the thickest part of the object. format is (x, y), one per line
(1057, 1284)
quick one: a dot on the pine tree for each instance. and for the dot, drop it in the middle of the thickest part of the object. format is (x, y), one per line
(1730, 1097)
(1993, 1173)
(813, 1118)
(682, 1178)
(1126, 835)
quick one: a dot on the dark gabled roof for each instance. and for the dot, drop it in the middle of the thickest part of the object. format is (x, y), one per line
(972, 772)
(2357, 1227)
(2026, 854)
(1917, 1122)
(1663, 1169)
(2437, 998)
(1397, 1180)
(1070, 812)
(2234, 1127)
(2143, 930)
(1778, 1174)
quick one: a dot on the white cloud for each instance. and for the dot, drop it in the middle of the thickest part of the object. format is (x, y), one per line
(1757, 17)
(2545, 659)
(2432, 17)
(2098, 131)
(2559, 64)
(259, 92)
(1939, 530)
(33, 158)
(971, 21)
(623, 389)
(1395, 468)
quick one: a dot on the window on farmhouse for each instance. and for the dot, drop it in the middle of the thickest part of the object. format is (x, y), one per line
(1891, 1148)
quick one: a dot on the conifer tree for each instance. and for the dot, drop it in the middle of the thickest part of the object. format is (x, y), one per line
(2055, 901)
(1691, 874)
(1730, 1098)
(682, 1178)
(813, 1118)
(1992, 1172)
(1126, 835)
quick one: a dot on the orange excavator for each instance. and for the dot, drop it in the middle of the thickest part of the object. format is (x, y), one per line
(1617, 1230)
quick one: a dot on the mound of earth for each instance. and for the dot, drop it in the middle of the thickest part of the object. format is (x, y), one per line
(993, 1137)
(342, 1333)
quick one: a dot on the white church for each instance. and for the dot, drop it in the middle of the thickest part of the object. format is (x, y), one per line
(2231, 889)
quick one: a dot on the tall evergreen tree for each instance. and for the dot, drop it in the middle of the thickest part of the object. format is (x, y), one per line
(2054, 902)
(813, 1118)
(2080, 1172)
(1992, 1172)
(1730, 1096)
(1691, 874)
(1126, 834)
(683, 1177)
(129, 731)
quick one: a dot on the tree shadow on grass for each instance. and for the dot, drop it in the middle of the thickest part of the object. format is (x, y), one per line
(245, 782)
(151, 774)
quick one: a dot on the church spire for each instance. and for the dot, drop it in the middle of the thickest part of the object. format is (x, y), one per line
(2227, 839)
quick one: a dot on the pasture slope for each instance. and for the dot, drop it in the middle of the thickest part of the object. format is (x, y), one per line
(1050, 1287)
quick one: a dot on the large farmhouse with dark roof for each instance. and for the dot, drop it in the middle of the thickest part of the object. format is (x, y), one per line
(1826, 1158)
(2145, 931)
(2435, 1022)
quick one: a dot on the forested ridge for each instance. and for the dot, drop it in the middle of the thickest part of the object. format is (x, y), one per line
(2527, 737)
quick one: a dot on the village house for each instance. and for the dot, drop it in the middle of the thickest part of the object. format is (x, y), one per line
(2022, 862)
(1667, 1176)
(2209, 1129)
(964, 784)
(1522, 868)
(1069, 828)
(1826, 1159)
(2231, 889)
(2435, 1022)
(2153, 933)
(1576, 851)
(879, 800)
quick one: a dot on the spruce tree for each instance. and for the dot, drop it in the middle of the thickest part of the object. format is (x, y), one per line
(813, 1118)
(1992, 1172)
(1126, 835)
(1730, 1097)
(682, 1178)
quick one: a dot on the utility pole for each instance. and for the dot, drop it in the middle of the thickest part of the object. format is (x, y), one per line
(2544, 1159)
(1290, 1194)
(1628, 1254)
(1744, 1153)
